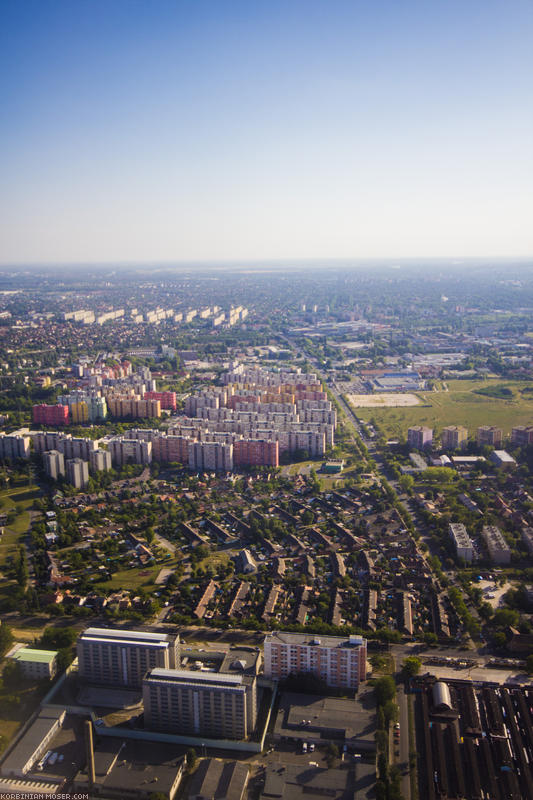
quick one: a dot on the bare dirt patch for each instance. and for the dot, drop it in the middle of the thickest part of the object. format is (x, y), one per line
(388, 400)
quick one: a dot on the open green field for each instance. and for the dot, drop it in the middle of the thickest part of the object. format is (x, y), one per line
(460, 405)
(133, 579)
(20, 499)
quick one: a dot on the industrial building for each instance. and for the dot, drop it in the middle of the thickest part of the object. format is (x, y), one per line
(33, 743)
(35, 664)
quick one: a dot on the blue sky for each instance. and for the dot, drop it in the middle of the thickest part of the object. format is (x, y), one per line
(185, 130)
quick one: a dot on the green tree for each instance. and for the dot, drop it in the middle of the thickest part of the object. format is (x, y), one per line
(6, 638)
(384, 690)
(191, 759)
(332, 753)
(411, 666)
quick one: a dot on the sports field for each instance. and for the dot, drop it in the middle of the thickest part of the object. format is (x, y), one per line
(385, 400)
(461, 405)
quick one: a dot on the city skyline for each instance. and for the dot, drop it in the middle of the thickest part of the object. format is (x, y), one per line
(137, 132)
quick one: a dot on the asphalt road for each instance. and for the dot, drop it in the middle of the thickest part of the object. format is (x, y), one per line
(403, 760)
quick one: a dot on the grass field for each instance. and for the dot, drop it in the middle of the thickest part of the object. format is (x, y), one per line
(20, 499)
(133, 579)
(460, 405)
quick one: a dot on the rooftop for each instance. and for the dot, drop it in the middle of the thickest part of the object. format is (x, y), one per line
(306, 639)
(25, 749)
(188, 676)
(117, 633)
(35, 656)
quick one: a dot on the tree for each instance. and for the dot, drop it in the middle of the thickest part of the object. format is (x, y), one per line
(411, 666)
(191, 759)
(332, 753)
(6, 638)
(503, 617)
(12, 675)
(384, 690)
(407, 482)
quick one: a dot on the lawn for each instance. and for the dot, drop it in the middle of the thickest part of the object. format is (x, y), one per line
(215, 559)
(460, 405)
(133, 579)
(20, 499)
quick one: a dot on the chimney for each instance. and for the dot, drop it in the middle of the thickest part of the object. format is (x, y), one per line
(89, 753)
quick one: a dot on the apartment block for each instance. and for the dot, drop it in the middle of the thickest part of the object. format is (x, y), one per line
(498, 549)
(522, 435)
(133, 407)
(14, 446)
(50, 415)
(214, 705)
(210, 456)
(167, 399)
(54, 464)
(462, 541)
(489, 434)
(130, 451)
(121, 657)
(47, 440)
(79, 412)
(454, 437)
(171, 448)
(339, 662)
(77, 472)
(256, 452)
(77, 447)
(100, 460)
(419, 437)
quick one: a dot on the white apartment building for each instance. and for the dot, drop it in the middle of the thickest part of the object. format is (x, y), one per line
(214, 705)
(54, 464)
(499, 550)
(132, 451)
(122, 657)
(462, 541)
(77, 472)
(99, 460)
(14, 446)
(210, 456)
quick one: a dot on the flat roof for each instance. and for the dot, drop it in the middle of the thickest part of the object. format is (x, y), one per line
(25, 749)
(107, 640)
(35, 656)
(318, 718)
(192, 676)
(113, 633)
(312, 640)
(503, 455)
